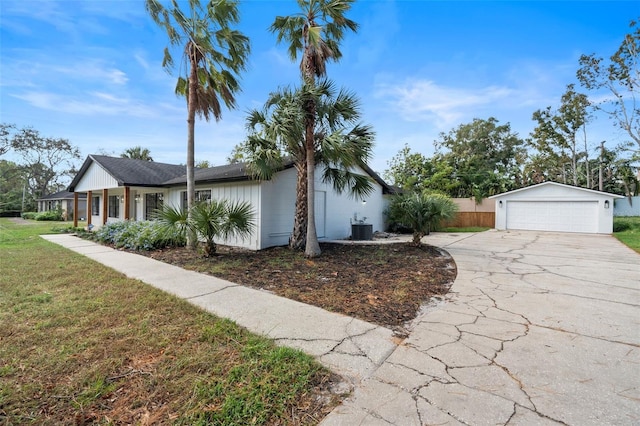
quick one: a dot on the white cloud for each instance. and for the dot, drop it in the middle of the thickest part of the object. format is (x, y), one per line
(94, 70)
(92, 104)
(424, 100)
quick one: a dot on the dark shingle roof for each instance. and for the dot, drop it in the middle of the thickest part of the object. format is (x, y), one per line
(130, 172)
(230, 172)
(62, 195)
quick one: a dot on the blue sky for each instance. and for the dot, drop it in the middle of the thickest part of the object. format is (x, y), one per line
(90, 71)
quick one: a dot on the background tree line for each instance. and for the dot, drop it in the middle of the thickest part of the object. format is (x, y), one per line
(483, 158)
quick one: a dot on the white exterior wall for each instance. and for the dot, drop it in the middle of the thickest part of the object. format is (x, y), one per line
(342, 209)
(234, 191)
(557, 192)
(95, 179)
(278, 205)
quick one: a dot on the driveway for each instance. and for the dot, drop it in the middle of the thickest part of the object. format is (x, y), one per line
(538, 328)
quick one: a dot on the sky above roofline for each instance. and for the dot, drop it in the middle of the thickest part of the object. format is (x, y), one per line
(91, 71)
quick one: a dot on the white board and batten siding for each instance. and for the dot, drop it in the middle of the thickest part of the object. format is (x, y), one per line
(340, 210)
(555, 207)
(274, 205)
(96, 179)
(236, 191)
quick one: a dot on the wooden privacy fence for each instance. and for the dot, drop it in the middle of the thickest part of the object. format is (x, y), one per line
(472, 214)
(467, 219)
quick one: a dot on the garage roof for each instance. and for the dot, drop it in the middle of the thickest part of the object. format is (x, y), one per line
(591, 191)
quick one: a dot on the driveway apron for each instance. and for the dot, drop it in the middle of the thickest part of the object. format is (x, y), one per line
(538, 328)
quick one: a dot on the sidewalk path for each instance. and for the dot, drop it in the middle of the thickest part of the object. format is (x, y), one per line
(349, 346)
(538, 329)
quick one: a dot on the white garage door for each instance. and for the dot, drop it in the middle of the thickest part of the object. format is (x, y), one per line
(563, 216)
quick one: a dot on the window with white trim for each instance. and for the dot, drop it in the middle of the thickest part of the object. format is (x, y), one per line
(152, 202)
(114, 206)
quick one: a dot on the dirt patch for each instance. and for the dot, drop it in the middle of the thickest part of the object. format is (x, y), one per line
(385, 284)
(20, 221)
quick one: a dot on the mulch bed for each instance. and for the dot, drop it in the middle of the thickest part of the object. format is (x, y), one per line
(385, 284)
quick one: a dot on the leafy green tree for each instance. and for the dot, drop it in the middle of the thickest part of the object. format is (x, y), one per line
(212, 57)
(204, 164)
(209, 221)
(620, 75)
(486, 158)
(236, 155)
(12, 186)
(315, 34)
(6, 130)
(414, 172)
(276, 135)
(137, 153)
(557, 134)
(618, 175)
(421, 212)
(44, 162)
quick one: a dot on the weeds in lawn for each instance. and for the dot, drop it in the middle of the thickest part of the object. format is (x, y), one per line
(80, 343)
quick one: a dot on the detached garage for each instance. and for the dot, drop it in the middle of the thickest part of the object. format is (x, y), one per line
(555, 207)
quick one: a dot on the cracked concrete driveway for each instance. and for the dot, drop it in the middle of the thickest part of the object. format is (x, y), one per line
(539, 328)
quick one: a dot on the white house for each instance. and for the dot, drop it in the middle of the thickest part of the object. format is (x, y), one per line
(126, 189)
(552, 206)
(64, 200)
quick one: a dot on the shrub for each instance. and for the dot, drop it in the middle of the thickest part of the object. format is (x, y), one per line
(137, 235)
(619, 226)
(29, 215)
(210, 220)
(421, 213)
(51, 215)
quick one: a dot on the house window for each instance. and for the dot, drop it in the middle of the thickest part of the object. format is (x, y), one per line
(114, 206)
(152, 202)
(95, 206)
(202, 195)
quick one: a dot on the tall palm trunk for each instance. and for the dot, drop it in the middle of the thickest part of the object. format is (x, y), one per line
(312, 247)
(191, 125)
(299, 235)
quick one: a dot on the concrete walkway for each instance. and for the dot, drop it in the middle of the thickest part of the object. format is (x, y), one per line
(350, 347)
(538, 328)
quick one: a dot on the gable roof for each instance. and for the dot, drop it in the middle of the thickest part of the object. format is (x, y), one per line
(386, 188)
(62, 195)
(129, 172)
(577, 188)
(227, 173)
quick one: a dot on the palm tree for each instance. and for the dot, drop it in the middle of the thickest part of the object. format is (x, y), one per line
(421, 212)
(212, 57)
(210, 220)
(276, 135)
(314, 33)
(137, 153)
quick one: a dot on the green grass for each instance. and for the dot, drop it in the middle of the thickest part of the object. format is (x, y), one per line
(627, 230)
(81, 343)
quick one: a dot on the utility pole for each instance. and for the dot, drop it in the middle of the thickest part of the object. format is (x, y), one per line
(600, 173)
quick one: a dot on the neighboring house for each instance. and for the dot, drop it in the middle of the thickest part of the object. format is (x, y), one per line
(552, 206)
(126, 189)
(63, 200)
(628, 206)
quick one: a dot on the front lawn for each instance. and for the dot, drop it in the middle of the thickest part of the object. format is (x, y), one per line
(627, 230)
(80, 344)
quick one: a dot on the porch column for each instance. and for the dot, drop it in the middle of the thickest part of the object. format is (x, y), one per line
(105, 205)
(89, 207)
(127, 194)
(75, 209)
